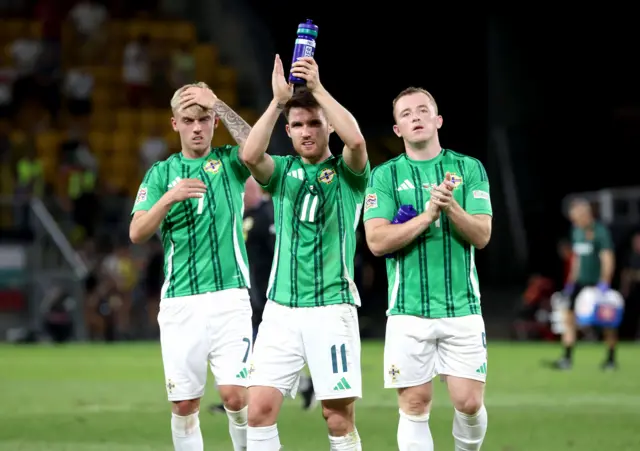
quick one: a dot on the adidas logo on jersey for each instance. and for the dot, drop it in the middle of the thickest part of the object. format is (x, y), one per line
(242, 374)
(406, 185)
(174, 183)
(297, 173)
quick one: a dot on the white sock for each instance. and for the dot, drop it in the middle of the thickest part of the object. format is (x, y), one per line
(414, 433)
(263, 438)
(350, 442)
(469, 430)
(238, 428)
(186, 432)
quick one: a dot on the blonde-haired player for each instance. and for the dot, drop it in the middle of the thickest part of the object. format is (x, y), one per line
(195, 198)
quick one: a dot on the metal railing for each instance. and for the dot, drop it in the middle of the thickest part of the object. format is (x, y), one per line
(52, 262)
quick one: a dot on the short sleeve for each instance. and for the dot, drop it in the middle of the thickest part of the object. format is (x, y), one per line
(279, 164)
(604, 238)
(238, 167)
(150, 190)
(379, 201)
(478, 201)
(358, 181)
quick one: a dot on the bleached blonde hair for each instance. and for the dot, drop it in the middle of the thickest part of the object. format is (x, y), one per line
(175, 100)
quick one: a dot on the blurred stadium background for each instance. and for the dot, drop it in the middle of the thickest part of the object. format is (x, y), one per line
(84, 93)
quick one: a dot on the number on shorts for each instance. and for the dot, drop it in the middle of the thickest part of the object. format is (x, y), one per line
(484, 340)
(246, 353)
(426, 207)
(343, 358)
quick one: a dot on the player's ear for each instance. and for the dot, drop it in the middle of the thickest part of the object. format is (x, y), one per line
(174, 124)
(331, 129)
(216, 121)
(288, 129)
(439, 122)
(396, 130)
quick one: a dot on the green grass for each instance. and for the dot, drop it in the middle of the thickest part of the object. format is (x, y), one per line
(112, 398)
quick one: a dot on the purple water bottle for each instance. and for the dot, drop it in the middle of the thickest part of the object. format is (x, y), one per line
(305, 46)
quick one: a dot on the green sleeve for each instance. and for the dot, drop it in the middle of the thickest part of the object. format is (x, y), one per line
(238, 167)
(478, 201)
(279, 164)
(604, 238)
(150, 191)
(358, 181)
(379, 201)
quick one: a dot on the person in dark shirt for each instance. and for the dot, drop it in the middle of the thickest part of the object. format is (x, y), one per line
(259, 234)
(592, 266)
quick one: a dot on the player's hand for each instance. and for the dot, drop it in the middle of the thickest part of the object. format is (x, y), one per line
(307, 69)
(282, 90)
(432, 211)
(188, 189)
(194, 95)
(442, 195)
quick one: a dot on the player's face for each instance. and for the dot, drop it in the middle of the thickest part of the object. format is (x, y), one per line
(309, 131)
(416, 119)
(580, 215)
(195, 127)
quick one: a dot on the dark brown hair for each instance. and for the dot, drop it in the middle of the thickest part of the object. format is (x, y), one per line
(302, 98)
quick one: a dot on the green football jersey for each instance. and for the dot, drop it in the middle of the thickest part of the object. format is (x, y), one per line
(434, 276)
(587, 245)
(204, 249)
(316, 211)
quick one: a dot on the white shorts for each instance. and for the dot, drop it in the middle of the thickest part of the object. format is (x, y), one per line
(213, 328)
(417, 349)
(326, 338)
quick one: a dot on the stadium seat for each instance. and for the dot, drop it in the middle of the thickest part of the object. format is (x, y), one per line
(47, 143)
(127, 120)
(222, 137)
(101, 143)
(226, 77)
(102, 98)
(124, 142)
(228, 96)
(183, 32)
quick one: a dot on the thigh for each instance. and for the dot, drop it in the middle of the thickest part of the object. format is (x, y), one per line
(462, 347)
(231, 337)
(331, 337)
(185, 346)
(278, 356)
(409, 351)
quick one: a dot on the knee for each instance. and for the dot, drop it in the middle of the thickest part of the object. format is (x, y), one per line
(185, 408)
(233, 397)
(415, 400)
(264, 405)
(469, 404)
(338, 414)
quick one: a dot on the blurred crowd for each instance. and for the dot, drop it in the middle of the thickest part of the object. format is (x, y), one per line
(84, 92)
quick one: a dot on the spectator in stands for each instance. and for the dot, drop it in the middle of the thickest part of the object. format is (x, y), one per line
(154, 148)
(30, 183)
(136, 71)
(7, 76)
(25, 53)
(78, 89)
(183, 66)
(89, 18)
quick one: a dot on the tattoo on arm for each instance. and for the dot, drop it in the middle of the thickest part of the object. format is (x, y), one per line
(237, 126)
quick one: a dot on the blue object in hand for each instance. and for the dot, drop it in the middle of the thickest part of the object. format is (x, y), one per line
(404, 214)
